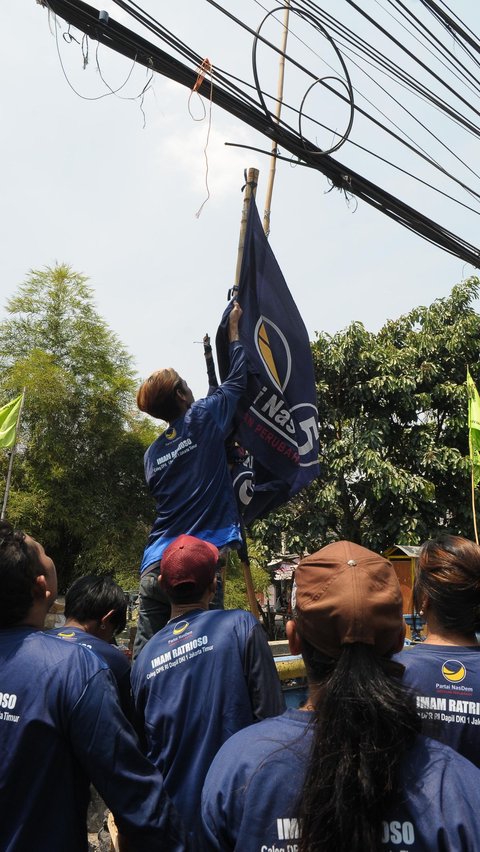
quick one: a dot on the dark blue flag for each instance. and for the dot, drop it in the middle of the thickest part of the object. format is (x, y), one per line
(277, 420)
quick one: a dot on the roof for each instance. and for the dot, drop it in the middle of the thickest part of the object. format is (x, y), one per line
(284, 572)
(412, 550)
(283, 567)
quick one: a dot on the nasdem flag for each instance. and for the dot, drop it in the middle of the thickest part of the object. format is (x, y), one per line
(8, 422)
(278, 419)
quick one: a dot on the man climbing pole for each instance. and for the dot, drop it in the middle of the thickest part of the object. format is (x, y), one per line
(187, 473)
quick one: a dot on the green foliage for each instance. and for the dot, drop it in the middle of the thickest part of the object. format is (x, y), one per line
(78, 476)
(235, 592)
(393, 432)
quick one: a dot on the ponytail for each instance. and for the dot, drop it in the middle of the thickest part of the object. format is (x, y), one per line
(364, 722)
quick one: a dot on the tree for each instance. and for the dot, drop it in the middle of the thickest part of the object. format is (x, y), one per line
(393, 431)
(78, 477)
(235, 590)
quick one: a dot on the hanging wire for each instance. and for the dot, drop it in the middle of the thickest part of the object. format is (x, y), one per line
(241, 99)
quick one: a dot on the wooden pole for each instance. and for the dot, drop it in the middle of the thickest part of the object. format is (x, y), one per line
(10, 463)
(250, 190)
(470, 446)
(278, 110)
(474, 513)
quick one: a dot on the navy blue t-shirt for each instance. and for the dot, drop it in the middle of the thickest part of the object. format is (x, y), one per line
(61, 727)
(197, 681)
(446, 680)
(186, 470)
(114, 658)
(250, 794)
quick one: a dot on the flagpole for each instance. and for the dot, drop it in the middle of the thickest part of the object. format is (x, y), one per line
(250, 191)
(473, 423)
(10, 463)
(474, 510)
(474, 513)
(278, 110)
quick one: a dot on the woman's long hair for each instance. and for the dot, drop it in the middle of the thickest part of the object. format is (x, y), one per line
(364, 723)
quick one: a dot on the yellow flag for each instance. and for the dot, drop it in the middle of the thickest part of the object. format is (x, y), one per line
(474, 427)
(8, 422)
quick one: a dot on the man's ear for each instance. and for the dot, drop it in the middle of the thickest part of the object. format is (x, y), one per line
(294, 640)
(105, 618)
(40, 588)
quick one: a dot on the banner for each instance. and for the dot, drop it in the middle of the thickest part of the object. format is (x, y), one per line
(8, 422)
(277, 420)
(474, 427)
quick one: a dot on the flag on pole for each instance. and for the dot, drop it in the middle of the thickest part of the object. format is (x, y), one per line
(474, 427)
(277, 419)
(8, 422)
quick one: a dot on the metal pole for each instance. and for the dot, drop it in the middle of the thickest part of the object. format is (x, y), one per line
(10, 463)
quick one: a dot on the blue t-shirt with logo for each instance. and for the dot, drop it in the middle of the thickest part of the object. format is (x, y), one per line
(114, 658)
(186, 470)
(61, 727)
(249, 801)
(200, 679)
(446, 680)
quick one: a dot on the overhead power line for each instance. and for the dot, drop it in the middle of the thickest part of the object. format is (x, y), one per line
(246, 104)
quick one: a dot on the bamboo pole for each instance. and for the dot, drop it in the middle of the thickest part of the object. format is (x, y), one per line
(10, 463)
(470, 446)
(278, 110)
(250, 190)
(474, 513)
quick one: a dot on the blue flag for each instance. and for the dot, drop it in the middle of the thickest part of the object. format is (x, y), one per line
(277, 420)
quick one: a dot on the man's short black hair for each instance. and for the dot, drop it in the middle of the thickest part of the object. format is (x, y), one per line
(19, 567)
(90, 598)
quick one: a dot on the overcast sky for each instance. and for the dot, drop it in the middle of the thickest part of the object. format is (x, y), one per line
(84, 182)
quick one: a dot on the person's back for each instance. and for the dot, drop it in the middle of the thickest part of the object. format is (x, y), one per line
(49, 725)
(61, 727)
(446, 682)
(444, 670)
(251, 794)
(349, 772)
(203, 677)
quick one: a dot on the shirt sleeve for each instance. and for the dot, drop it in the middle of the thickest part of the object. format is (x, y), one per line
(107, 748)
(221, 404)
(262, 678)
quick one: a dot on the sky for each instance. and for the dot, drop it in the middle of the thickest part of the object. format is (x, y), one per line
(113, 192)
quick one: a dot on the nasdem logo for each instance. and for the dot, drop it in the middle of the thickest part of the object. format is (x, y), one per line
(269, 338)
(454, 671)
(170, 434)
(180, 628)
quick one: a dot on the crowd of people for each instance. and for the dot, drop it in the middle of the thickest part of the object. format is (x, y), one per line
(193, 749)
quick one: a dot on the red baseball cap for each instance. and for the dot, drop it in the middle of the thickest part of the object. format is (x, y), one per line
(188, 560)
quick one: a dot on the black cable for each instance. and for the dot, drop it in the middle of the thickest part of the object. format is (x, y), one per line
(451, 25)
(119, 38)
(440, 48)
